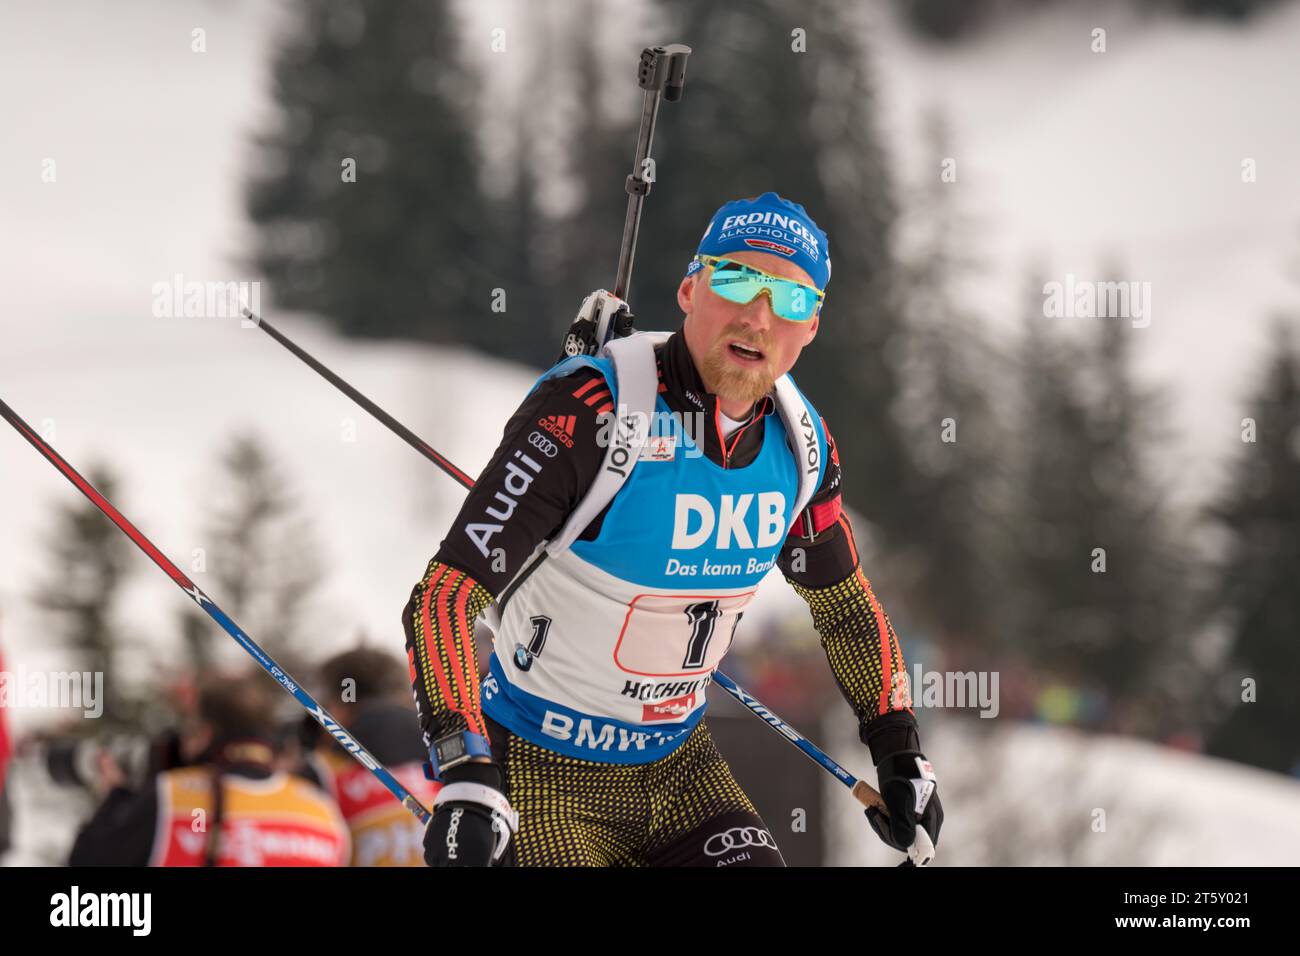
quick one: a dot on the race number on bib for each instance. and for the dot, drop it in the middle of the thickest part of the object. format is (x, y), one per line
(667, 635)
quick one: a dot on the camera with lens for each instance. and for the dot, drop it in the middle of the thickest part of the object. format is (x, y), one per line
(74, 761)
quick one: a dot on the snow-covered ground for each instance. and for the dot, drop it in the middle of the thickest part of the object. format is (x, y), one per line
(1036, 795)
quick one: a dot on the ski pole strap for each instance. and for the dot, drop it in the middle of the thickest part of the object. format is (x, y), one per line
(635, 386)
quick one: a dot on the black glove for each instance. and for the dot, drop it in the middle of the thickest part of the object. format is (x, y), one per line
(906, 780)
(473, 823)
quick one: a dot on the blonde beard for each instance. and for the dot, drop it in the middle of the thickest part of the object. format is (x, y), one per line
(736, 384)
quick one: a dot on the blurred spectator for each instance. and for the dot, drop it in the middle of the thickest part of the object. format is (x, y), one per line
(228, 806)
(368, 691)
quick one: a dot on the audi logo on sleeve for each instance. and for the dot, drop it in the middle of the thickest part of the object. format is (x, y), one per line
(543, 444)
(738, 838)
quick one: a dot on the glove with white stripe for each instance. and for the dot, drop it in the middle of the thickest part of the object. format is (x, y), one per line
(473, 823)
(907, 782)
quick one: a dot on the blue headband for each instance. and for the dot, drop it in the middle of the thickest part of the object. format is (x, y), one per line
(768, 224)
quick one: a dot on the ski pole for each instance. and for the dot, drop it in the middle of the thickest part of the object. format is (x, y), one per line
(268, 664)
(391, 423)
(862, 791)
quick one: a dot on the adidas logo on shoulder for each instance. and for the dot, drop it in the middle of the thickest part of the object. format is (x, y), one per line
(560, 427)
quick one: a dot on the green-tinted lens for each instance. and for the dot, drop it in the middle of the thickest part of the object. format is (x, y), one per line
(737, 283)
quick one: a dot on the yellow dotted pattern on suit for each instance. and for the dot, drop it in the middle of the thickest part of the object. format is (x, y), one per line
(580, 813)
(870, 671)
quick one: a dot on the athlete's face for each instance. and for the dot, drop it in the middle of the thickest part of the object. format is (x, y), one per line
(714, 325)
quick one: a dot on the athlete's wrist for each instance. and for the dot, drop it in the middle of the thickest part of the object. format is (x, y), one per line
(890, 733)
(455, 748)
(485, 771)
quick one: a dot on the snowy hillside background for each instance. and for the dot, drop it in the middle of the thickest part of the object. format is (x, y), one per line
(150, 155)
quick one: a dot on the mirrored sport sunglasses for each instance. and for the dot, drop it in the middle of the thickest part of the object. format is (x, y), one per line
(737, 282)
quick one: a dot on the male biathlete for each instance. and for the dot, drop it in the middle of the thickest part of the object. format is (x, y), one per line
(613, 542)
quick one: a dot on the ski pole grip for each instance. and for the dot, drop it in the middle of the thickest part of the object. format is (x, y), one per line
(921, 852)
(868, 796)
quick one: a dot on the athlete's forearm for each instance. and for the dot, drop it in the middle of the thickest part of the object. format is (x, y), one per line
(863, 652)
(820, 561)
(439, 624)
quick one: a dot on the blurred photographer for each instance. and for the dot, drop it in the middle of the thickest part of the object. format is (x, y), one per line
(228, 805)
(369, 692)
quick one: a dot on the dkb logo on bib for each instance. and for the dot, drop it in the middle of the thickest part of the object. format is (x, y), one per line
(695, 521)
